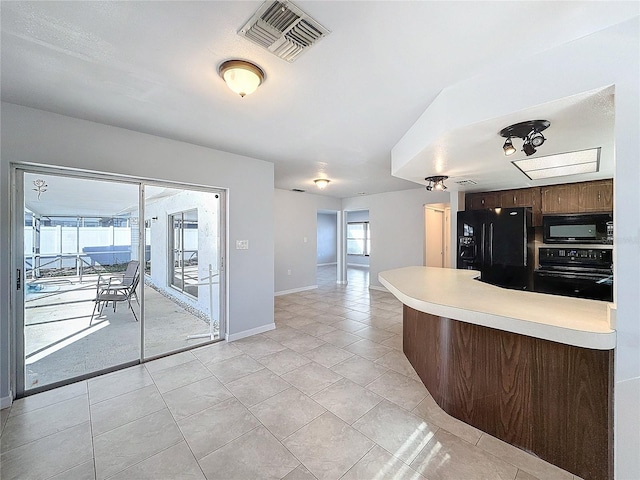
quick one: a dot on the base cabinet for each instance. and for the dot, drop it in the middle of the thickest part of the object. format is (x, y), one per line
(551, 399)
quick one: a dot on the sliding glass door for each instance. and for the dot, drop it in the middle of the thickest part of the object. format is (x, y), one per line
(183, 294)
(78, 242)
(112, 272)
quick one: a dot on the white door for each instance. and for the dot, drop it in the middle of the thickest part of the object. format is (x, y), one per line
(434, 235)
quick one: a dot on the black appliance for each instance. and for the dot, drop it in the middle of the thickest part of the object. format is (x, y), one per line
(575, 272)
(499, 243)
(578, 228)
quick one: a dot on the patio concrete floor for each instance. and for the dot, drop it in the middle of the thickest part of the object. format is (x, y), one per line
(61, 344)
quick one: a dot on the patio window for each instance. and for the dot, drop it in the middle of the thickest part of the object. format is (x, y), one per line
(358, 238)
(184, 251)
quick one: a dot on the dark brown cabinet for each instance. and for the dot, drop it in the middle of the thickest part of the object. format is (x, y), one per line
(521, 197)
(596, 196)
(561, 198)
(478, 201)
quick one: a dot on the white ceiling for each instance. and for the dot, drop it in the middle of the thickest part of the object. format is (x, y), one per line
(336, 112)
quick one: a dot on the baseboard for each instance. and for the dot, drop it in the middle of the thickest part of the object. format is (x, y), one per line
(252, 331)
(342, 282)
(295, 290)
(357, 265)
(326, 264)
(376, 287)
(6, 402)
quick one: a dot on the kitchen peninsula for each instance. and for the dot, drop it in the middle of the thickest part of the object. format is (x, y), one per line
(534, 370)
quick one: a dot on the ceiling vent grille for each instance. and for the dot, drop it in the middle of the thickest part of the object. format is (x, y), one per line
(283, 29)
(466, 182)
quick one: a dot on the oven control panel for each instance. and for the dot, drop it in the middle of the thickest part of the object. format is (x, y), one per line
(587, 257)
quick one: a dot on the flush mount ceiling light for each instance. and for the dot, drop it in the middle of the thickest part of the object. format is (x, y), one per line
(530, 132)
(571, 163)
(241, 77)
(321, 183)
(436, 182)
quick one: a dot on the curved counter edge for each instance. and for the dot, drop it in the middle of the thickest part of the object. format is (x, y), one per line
(605, 339)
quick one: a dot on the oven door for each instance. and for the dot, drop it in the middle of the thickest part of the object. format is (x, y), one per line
(594, 286)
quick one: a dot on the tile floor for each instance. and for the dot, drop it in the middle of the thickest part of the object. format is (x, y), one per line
(328, 394)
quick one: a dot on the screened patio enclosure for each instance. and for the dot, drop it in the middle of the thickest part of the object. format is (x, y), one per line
(81, 314)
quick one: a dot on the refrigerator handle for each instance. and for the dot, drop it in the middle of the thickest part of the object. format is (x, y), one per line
(491, 244)
(482, 243)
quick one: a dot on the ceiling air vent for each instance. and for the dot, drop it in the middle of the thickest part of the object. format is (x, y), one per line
(298, 190)
(466, 182)
(283, 29)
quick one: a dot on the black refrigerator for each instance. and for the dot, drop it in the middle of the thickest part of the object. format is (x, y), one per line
(498, 242)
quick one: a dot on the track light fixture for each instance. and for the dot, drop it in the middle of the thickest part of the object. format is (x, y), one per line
(436, 182)
(508, 147)
(530, 132)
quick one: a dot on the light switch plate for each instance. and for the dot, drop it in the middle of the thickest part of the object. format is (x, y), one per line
(242, 244)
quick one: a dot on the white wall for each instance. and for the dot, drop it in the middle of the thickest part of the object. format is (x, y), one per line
(397, 226)
(327, 238)
(296, 216)
(608, 57)
(30, 135)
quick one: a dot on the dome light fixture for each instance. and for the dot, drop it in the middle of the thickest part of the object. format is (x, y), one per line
(321, 183)
(529, 132)
(241, 77)
(436, 182)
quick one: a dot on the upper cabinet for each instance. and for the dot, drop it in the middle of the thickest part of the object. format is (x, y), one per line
(478, 201)
(560, 198)
(582, 197)
(596, 196)
(521, 197)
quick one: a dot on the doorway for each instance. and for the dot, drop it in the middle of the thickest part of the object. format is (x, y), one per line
(358, 244)
(100, 288)
(437, 222)
(327, 247)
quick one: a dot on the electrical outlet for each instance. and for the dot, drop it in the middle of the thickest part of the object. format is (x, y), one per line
(304, 240)
(288, 272)
(242, 244)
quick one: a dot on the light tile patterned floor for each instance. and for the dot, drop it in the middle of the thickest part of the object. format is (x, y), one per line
(327, 395)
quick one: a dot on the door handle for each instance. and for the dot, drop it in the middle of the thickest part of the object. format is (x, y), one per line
(18, 279)
(482, 242)
(491, 243)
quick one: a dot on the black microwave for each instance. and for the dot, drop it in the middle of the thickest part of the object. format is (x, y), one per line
(578, 228)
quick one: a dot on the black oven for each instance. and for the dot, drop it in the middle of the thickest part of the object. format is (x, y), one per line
(575, 272)
(578, 228)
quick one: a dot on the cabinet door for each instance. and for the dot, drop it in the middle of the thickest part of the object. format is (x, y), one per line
(508, 198)
(561, 198)
(483, 200)
(522, 197)
(596, 196)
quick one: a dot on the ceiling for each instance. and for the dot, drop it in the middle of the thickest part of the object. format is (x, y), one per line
(336, 111)
(62, 195)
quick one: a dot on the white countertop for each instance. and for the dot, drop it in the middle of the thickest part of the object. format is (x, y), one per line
(457, 295)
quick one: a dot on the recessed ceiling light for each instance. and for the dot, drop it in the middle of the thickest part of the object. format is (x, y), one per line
(560, 165)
